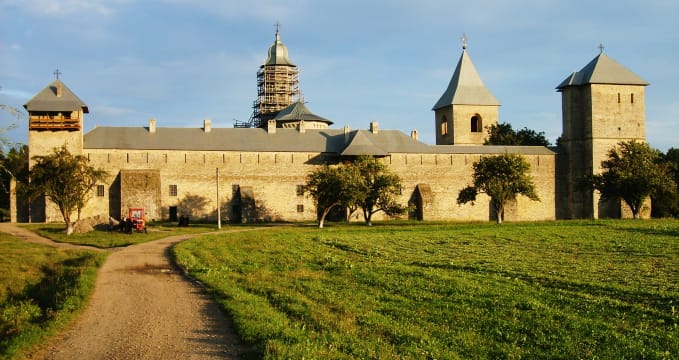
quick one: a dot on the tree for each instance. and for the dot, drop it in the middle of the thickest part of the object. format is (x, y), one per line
(380, 186)
(13, 165)
(504, 134)
(666, 203)
(66, 180)
(501, 177)
(333, 186)
(632, 172)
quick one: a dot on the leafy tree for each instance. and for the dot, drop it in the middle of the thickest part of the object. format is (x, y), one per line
(13, 165)
(501, 177)
(666, 203)
(333, 186)
(381, 188)
(504, 134)
(632, 172)
(66, 180)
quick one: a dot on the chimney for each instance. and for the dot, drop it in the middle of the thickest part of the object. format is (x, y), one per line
(59, 86)
(152, 125)
(347, 130)
(414, 135)
(271, 126)
(207, 125)
(302, 127)
(374, 127)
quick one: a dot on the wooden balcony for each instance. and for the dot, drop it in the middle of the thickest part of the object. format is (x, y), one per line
(53, 123)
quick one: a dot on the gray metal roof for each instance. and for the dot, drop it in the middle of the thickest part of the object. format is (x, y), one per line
(602, 70)
(356, 142)
(466, 87)
(492, 149)
(361, 144)
(47, 99)
(298, 111)
(278, 53)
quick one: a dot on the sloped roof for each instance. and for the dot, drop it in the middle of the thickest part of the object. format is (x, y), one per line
(278, 53)
(602, 70)
(47, 99)
(361, 144)
(466, 87)
(356, 142)
(298, 111)
(251, 139)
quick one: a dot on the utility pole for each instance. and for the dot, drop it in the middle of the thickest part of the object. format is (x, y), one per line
(219, 210)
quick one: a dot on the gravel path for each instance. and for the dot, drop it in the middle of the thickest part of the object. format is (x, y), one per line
(142, 308)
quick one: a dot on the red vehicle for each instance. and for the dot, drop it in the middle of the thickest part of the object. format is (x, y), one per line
(138, 219)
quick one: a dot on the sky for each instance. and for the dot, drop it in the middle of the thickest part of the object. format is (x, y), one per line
(182, 61)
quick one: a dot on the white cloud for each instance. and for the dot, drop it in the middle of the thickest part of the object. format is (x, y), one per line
(65, 7)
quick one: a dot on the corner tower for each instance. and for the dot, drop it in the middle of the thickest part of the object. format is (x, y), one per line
(466, 108)
(277, 84)
(55, 119)
(602, 105)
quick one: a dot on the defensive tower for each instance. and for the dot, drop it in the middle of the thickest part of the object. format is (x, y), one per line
(467, 108)
(602, 104)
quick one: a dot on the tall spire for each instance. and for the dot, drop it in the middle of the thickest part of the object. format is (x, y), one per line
(465, 86)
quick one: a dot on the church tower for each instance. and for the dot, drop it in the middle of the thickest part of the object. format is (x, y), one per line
(277, 84)
(467, 108)
(55, 119)
(602, 104)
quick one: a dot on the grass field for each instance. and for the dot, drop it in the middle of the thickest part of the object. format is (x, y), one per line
(41, 288)
(554, 290)
(109, 239)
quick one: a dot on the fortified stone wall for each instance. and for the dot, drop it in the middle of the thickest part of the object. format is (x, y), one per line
(188, 181)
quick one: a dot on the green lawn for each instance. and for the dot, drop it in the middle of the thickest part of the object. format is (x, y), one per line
(41, 288)
(109, 239)
(553, 290)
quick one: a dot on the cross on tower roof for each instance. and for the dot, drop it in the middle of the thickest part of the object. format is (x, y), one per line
(601, 48)
(277, 25)
(57, 73)
(464, 41)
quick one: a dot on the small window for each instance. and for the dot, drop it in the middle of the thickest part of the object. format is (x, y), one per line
(300, 208)
(444, 126)
(173, 190)
(100, 190)
(235, 188)
(631, 97)
(476, 124)
(618, 98)
(300, 190)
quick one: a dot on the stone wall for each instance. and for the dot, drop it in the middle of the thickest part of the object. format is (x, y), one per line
(187, 180)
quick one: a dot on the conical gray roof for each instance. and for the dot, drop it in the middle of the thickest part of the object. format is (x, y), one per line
(602, 70)
(466, 87)
(48, 99)
(278, 53)
(298, 111)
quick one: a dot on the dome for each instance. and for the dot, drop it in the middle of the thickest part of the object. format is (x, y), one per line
(278, 53)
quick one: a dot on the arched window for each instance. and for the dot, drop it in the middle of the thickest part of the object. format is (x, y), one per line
(444, 125)
(476, 123)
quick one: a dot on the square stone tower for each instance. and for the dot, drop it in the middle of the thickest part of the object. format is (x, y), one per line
(55, 119)
(466, 109)
(603, 104)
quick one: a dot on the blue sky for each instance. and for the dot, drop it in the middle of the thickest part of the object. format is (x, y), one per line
(182, 61)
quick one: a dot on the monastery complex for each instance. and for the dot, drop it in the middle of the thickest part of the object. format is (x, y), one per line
(255, 171)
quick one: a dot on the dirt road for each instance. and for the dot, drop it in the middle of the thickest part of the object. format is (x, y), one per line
(142, 308)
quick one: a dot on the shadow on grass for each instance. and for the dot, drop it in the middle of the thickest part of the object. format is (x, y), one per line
(660, 306)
